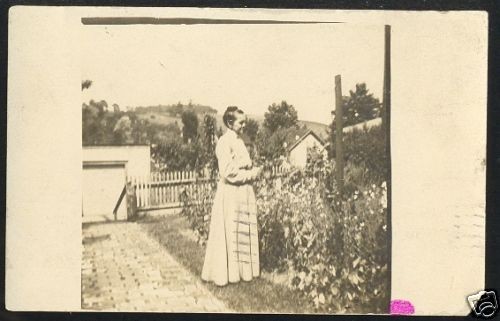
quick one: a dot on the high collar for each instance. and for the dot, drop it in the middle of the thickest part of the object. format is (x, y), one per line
(231, 133)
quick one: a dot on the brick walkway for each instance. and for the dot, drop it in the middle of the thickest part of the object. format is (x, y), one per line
(124, 269)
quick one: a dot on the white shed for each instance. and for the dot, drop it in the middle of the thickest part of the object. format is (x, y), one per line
(105, 169)
(299, 144)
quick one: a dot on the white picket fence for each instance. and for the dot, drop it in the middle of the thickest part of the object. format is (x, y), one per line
(164, 190)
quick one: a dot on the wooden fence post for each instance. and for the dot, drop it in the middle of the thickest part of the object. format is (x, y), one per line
(339, 119)
(147, 178)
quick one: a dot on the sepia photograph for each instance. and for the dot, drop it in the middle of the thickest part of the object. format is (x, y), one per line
(256, 161)
(235, 166)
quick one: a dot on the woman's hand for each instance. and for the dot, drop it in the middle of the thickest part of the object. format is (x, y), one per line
(258, 170)
(263, 172)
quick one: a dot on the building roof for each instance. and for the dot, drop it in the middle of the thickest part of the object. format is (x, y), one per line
(368, 124)
(296, 136)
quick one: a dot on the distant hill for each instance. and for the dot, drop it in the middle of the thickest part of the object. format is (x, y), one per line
(167, 114)
(176, 110)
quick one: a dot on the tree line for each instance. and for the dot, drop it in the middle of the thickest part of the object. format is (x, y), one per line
(192, 147)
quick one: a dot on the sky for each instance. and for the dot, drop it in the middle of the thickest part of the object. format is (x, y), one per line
(250, 66)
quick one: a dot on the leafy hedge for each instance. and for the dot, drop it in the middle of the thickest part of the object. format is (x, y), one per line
(334, 247)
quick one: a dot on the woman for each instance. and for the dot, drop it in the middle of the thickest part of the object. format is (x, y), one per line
(233, 248)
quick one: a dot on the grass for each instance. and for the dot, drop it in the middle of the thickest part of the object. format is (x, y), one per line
(257, 296)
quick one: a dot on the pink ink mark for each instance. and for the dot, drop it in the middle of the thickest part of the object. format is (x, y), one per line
(402, 307)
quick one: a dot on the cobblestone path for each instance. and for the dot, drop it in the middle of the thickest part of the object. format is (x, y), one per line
(124, 269)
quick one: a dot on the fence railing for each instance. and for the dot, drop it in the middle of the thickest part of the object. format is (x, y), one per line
(164, 190)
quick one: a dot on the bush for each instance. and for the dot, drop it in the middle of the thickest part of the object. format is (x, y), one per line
(366, 150)
(362, 284)
(335, 250)
(197, 206)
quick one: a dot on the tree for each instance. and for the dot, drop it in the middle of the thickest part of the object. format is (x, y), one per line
(208, 152)
(178, 108)
(94, 124)
(251, 129)
(361, 105)
(116, 108)
(271, 146)
(86, 84)
(168, 132)
(280, 116)
(91, 131)
(190, 126)
(174, 155)
(358, 107)
(138, 135)
(123, 131)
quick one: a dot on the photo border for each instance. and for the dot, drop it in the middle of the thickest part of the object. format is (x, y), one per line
(493, 132)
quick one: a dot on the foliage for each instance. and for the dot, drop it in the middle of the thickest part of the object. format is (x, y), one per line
(364, 275)
(190, 126)
(176, 109)
(96, 127)
(100, 126)
(280, 116)
(366, 149)
(335, 246)
(358, 107)
(123, 130)
(271, 145)
(361, 105)
(86, 84)
(208, 143)
(171, 153)
(174, 155)
(251, 129)
(197, 206)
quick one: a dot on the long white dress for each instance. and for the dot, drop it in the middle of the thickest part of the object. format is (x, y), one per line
(232, 252)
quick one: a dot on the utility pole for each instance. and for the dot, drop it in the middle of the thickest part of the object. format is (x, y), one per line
(339, 120)
(387, 79)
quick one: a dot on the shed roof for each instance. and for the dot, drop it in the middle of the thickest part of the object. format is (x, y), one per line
(296, 136)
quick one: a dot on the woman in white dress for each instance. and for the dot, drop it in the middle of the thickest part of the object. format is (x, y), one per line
(233, 248)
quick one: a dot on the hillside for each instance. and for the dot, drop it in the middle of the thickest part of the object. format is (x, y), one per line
(167, 114)
(176, 109)
(165, 118)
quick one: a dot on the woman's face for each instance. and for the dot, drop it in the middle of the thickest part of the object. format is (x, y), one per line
(239, 123)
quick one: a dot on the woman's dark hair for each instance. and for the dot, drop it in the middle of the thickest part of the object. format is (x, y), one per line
(230, 115)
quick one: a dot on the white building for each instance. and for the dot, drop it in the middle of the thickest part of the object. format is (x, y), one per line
(299, 143)
(105, 169)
